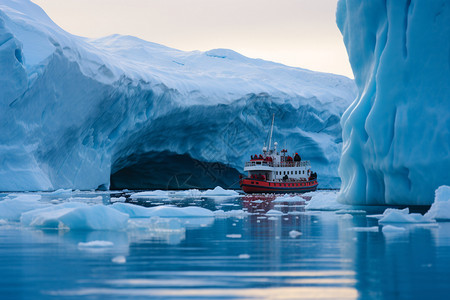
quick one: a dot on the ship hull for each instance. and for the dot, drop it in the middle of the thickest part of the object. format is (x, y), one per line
(250, 186)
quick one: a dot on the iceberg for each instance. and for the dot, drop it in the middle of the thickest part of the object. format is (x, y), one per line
(120, 112)
(440, 209)
(396, 137)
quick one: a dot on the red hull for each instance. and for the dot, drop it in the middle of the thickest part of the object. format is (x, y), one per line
(249, 185)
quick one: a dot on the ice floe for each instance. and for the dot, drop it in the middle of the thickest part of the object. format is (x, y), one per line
(440, 209)
(219, 191)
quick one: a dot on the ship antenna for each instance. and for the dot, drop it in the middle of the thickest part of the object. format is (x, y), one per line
(271, 131)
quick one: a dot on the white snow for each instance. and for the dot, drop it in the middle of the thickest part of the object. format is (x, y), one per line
(55, 88)
(393, 153)
(440, 209)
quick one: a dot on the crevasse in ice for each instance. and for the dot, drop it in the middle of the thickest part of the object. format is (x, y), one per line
(75, 111)
(396, 134)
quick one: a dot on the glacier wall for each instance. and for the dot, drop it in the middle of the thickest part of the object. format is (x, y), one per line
(396, 135)
(78, 113)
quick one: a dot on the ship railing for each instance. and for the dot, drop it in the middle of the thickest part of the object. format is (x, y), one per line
(284, 164)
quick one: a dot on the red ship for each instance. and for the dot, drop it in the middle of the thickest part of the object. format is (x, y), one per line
(277, 172)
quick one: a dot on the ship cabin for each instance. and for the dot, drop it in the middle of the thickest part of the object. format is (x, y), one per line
(278, 166)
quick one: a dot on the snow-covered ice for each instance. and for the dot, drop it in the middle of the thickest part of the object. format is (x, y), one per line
(440, 209)
(392, 215)
(16, 204)
(396, 137)
(80, 110)
(219, 191)
(136, 211)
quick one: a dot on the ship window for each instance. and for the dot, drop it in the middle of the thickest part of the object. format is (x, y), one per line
(303, 171)
(292, 172)
(295, 172)
(253, 182)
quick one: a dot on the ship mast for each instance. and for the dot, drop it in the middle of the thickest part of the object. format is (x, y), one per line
(271, 131)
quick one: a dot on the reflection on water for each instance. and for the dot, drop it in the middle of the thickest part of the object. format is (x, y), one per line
(248, 256)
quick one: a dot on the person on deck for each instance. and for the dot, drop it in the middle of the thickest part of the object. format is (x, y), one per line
(297, 157)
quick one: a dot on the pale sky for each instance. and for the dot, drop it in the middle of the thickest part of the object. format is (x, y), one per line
(299, 33)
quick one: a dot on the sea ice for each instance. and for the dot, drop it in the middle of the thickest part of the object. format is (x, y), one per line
(274, 212)
(76, 216)
(325, 201)
(219, 191)
(119, 259)
(12, 208)
(392, 215)
(287, 198)
(96, 244)
(392, 229)
(294, 234)
(440, 209)
(136, 211)
(158, 194)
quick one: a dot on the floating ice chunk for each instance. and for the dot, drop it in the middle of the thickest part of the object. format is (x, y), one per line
(61, 192)
(325, 201)
(392, 215)
(135, 211)
(76, 216)
(346, 217)
(119, 259)
(193, 193)
(98, 199)
(287, 198)
(273, 218)
(158, 194)
(351, 211)
(12, 209)
(219, 191)
(234, 236)
(365, 229)
(120, 199)
(230, 214)
(294, 233)
(440, 209)
(244, 256)
(274, 212)
(392, 229)
(156, 224)
(96, 244)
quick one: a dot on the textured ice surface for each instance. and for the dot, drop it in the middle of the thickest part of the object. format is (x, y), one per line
(135, 211)
(440, 209)
(396, 137)
(219, 191)
(15, 205)
(392, 215)
(76, 216)
(79, 110)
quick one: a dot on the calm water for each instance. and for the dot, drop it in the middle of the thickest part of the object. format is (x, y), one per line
(243, 257)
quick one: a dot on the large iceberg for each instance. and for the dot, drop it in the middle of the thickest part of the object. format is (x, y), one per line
(119, 111)
(396, 135)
